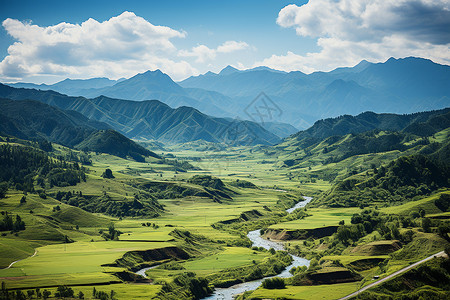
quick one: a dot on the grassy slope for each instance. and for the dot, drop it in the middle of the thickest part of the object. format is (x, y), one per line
(320, 217)
(193, 214)
(53, 263)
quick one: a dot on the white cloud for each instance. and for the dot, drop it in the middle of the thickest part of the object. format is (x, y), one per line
(204, 53)
(201, 52)
(231, 46)
(348, 31)
(119, 47)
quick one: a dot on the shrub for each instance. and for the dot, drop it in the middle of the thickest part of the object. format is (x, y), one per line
(108, 174)
(274, 283)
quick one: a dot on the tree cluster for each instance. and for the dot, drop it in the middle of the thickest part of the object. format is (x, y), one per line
(25, 167)
(9, 223)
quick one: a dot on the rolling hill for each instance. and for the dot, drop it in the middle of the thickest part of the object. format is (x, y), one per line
(33, 120)
(340, 147)
(423, 124)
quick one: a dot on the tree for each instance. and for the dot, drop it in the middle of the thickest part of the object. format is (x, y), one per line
(3, 189)
(64, 291)
(274, 283)
(426, 225)
(19, 224)
(422, 212)
(108, 174)
(46, 294)
(80, 295)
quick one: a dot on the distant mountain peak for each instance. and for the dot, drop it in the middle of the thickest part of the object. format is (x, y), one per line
(228, 70)
(409, 59)
(151, 75)
(362, 65)
(265, 68)
(156, 72)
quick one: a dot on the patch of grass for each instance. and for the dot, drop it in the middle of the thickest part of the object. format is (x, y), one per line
(347, 259)
(426, 204)
(324, 292)
(15, 249)
(231, 257)
(320, 217)
(75, 263)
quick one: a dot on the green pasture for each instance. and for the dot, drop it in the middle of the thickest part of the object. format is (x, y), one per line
(231, 257)
(426, 204)
(347, 259)
(121, 290)
(74, 263)
(324, 292)
(320, 217)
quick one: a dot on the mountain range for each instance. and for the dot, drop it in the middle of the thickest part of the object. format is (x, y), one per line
(397, 86)
(152, 119)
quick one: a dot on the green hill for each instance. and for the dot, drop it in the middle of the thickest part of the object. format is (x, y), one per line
(400, 181)
(422, 124)
(111, 142)
(34, 120)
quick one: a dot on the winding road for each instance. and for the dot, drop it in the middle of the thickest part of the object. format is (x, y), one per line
(440, 254)
(10, 265)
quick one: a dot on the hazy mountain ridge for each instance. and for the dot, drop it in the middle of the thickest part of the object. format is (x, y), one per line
(398, 86)
(152, 119)
(70, 86)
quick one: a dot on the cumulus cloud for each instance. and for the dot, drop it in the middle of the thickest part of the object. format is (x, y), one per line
(204, 53)
(121, 46)
(348, 31)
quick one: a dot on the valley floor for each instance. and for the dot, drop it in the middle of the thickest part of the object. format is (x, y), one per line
(201, 235)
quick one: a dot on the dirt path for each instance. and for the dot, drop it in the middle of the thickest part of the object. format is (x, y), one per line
(10, 265)
(440, 254)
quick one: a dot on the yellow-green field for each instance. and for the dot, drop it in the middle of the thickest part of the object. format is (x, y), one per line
(426, 204)
(320, 217)
(74, 263)
(324, 292)
(79, 261)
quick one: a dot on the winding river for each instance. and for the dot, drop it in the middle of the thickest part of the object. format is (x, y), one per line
(258, 241)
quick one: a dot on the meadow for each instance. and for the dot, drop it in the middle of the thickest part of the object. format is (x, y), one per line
(71, 249)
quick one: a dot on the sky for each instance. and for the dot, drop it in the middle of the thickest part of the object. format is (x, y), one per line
(48, 41)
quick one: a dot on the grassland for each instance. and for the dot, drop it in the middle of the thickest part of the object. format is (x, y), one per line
(426, 204)
(320, 217)
(47, 229)
(324, 292)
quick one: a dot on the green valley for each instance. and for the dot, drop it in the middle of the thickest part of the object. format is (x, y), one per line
(116, 199)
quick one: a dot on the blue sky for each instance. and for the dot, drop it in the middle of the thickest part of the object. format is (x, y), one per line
(46, 41)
